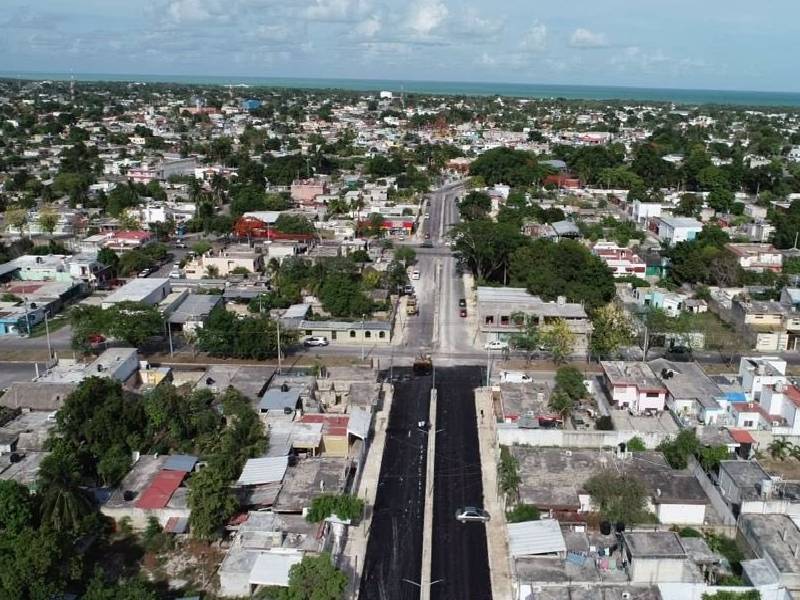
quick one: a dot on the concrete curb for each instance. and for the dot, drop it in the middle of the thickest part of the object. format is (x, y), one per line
(427, 533)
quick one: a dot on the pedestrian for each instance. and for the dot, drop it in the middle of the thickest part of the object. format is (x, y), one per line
(481, 415)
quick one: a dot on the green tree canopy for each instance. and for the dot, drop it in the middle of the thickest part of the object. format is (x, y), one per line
(618, 497)
(516, 168)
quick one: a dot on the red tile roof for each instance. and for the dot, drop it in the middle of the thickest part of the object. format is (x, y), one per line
(132, 235)
(331, 424)
(793, 394)
(741, 436)
(160, 490)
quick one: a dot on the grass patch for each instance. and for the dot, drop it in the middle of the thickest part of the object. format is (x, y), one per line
(55, 324)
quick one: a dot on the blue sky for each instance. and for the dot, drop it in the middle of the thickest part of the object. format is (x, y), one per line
(719, 44)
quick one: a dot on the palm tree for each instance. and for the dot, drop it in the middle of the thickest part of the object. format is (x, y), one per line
(780, 448)
(218, 188)
(64, 503)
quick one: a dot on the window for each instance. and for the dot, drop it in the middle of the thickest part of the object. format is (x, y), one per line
(309, 332)
(367, 334)
(381, 334)
(748, 424)
(652, 394)
(504, 320)
(490, 320)
(352, 333)
(333, 334)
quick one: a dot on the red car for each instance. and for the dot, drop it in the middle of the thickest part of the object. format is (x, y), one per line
(96, 338)
(463, 312)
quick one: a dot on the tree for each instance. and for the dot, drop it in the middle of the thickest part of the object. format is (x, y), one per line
(294, 224)
(108, 258)
(569, 380)
(612, 329)
(566, 268)
(523, 512)
(779, 448)
(508, 473)
(516, 168)
(527, 339)
(35, 564)
(17, 218)
(134, 589)
(64, 503)
(475, 205)
(134, 322)
(678, 450)
(211, 501)
(16, 507)
(315, 578)
(344, 506)
(487, 247)
(561, 403)
(618, 497)
(48, 219)
(635, 444)
(201, 247)
(405, 255)
(559, 340)
(711, 456)
(688, 206)
(341, 296)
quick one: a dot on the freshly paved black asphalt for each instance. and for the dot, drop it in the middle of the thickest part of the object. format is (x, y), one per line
(460, 557)
(394, 550)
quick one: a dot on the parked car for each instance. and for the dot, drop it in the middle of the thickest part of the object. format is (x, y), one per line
(462, 302)
(180, 244)
(463, 312)
(495, 345)
(414, 275)
(679, 354)
(471, 514)
(315, 340)
(145, 272)
(409, 290)
(427, 244)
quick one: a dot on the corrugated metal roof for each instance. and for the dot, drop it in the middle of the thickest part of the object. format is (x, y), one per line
(296, 311)
(259, 471)
(180, 462)
(160, 490)
(177, 525)
(272, 568)
(535, 537)
(360, 419)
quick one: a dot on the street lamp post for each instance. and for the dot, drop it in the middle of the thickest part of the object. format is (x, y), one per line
(363, 318)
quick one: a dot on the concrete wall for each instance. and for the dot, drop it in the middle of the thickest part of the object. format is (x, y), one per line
(681, 514)
(712, 492)
(656, 570)
(139, 516)
(510, 434)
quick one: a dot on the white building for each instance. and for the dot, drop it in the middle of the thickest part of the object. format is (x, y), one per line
(674, 230)
(759, 372)
(146, 290)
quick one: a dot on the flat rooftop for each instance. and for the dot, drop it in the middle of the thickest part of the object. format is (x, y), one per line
(654, 544)
(748, 476)
(310, 477)
(765, 531)
(636, 374)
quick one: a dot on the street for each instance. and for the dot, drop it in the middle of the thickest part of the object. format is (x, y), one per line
(460, 562)
(394, 550)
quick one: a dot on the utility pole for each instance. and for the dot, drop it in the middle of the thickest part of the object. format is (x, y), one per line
(47, 333)
(363, 317)
(488, 365)
(278, 325)
(169, 334)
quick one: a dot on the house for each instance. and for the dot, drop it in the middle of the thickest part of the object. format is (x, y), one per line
(633, 386)
(536, 538)
(193, 310)
(304, 191)
(673, 230)
(768, 324)
(775, 538)
(753, 416)
(783, 400)
(757, 258)
(623, 262)
(641, 212)
(223, 263)
(497, 305)
(690, 392)
(154, 487)
(148, 290)
(335, 437)
(654, 556)
(653, 297)
(367, 333)
(759, 372)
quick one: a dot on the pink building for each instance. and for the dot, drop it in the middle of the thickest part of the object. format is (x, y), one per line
(634, 386)
(127, 240)
(305, 191)
(621, 261)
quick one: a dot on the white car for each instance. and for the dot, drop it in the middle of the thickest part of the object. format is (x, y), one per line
(415, 275)
(471, 514)
(495, 345)
(315, 340)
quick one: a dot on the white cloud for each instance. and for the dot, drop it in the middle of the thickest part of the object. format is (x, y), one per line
(535, 40)
(183, 11)
(334, 10)
(426, 16)
(486, 61)
(473, 24)
(585, 38)
(369, 27)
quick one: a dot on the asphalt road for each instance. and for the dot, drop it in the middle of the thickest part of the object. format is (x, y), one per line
(459, 554)
(394, 550)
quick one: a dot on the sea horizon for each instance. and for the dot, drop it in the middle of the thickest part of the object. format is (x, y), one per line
(683, 96)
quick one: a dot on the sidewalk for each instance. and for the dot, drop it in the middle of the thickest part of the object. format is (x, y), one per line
(496, 534)
(351, 560)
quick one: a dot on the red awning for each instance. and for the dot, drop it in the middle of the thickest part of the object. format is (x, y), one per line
(740, 436)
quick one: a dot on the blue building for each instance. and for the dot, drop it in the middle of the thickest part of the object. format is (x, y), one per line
(250, 104)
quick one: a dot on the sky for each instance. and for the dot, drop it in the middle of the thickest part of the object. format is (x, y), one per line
(694, 44)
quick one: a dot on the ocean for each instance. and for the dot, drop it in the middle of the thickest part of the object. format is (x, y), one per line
(519, 90)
